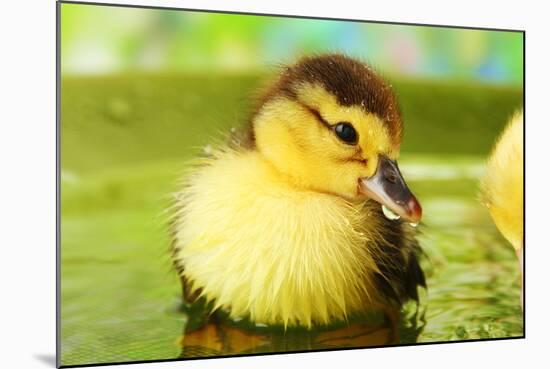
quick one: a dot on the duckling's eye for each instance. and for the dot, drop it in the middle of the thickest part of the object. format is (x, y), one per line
(346, 133)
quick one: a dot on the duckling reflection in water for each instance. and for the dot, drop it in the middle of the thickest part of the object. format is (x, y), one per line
(303, 219)
(502, 186)
(220, 336)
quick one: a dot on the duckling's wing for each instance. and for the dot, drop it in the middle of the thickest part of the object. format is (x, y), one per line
(397, 258)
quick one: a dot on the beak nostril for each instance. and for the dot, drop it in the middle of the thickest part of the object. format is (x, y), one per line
(391, 178)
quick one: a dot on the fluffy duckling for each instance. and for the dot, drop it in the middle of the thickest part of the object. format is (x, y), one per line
(285, 225)
(502, 186)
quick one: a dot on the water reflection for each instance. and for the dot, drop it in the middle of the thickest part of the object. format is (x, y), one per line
(220, 336)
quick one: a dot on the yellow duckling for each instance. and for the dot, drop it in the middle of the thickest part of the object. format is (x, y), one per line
(502, 186)
(284, 225)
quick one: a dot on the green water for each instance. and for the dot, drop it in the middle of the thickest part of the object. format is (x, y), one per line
(124, 143)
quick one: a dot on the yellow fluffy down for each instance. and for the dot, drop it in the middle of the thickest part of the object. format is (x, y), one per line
(263, 249)
(503, 183)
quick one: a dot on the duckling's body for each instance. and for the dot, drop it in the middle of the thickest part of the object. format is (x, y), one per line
(275, 232)
(503, 183)
(502, 186)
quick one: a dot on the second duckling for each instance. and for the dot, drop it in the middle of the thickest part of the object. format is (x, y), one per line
(502, 186)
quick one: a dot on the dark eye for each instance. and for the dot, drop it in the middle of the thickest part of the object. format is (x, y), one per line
(346, 133)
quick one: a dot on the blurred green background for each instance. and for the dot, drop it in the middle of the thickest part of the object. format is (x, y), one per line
(143, 90)
(97, 39)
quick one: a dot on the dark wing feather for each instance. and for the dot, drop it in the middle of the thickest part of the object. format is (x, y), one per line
(397, 258)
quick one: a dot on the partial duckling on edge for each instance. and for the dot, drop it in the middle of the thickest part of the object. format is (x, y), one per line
(286, 227)
(502, 186)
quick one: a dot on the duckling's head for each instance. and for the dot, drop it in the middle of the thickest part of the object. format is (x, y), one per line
(330, 124)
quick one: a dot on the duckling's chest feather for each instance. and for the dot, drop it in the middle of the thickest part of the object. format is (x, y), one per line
(260, 247)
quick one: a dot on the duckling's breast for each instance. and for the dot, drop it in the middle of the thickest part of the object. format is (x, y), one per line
(262, 248)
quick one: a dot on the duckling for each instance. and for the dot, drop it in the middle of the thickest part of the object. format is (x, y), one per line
(502, 186)
(304, 218)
